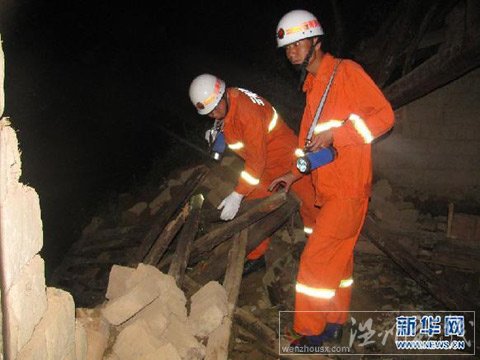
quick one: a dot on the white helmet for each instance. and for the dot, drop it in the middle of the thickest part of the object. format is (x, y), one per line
(297, 25)
(206, 91)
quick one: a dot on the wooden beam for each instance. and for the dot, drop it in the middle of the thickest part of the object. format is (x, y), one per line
(213, 267)
(435, 72)
(204, 245)
(207, 242)
(213, 215)
(169, 211)
(219, 339)
(185, 240)
(166, 237)
(390, 244)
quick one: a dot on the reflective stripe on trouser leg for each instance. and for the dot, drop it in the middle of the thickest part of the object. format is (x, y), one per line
(342, 297)
(324, 261)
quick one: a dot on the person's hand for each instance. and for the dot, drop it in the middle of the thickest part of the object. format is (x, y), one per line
(230, 206)
(210, 135)
(284, 181)
(320, 141)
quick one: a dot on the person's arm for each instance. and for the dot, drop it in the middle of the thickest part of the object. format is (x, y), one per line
(372, 115)
(254, 153)
(254, 136)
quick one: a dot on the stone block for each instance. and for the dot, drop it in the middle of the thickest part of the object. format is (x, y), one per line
(179, 335)
(54, 336)
(27, 303)
(10, 164)
(122, 308)
(97, 331)
(155, 315)
(2, 77)
(208, 308)
(21, 231)
(165, 352)
(117, 281)
(136, 341)
(81, 342)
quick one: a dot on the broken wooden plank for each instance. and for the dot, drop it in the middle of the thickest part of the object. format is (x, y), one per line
(185, 240)
(213, 215)
(166, 237)
(256, 326)
(207, 242)
(204, 244)
(219, 339)
(441, 290)
(169, 211)
(213, 267)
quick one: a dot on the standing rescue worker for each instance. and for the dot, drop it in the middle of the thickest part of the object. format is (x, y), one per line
(257, 133)
(352, 114)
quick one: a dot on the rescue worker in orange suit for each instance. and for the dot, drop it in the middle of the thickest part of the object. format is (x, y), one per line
(257, 133)
(353, 114)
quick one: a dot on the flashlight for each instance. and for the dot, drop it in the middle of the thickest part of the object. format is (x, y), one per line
(313, 160)
(218, 147)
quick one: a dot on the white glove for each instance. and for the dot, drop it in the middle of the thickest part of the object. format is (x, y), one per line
(210, 134)
(230, 206)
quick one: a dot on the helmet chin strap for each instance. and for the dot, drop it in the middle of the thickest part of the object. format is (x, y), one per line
(303, 67)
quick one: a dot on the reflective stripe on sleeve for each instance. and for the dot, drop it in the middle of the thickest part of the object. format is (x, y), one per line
(330, 124)
(346, 283)
(249, 178)
(307, 230)
(361, 127)
(273, 122)
(236, 146)
(319, 293)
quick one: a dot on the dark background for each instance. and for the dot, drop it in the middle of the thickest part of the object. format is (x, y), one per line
(89, 85)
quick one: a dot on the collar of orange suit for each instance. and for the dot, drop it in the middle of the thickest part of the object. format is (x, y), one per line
(323, 74)
(231, 106)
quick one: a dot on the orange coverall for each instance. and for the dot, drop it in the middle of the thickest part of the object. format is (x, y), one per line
(257, 133)
(342, 189)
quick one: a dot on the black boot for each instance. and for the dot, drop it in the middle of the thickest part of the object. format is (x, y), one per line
(253, 265)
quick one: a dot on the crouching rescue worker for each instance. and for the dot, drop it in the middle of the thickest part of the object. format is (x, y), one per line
(344, 109)
(254, 130)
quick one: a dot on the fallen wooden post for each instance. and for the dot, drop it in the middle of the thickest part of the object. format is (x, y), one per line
(441, 290)
(213, 215)
(213, 267)
(185, 240)
(171, 208)
(206, 243)
(251, 323)
(166, 237)
(219, 339)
